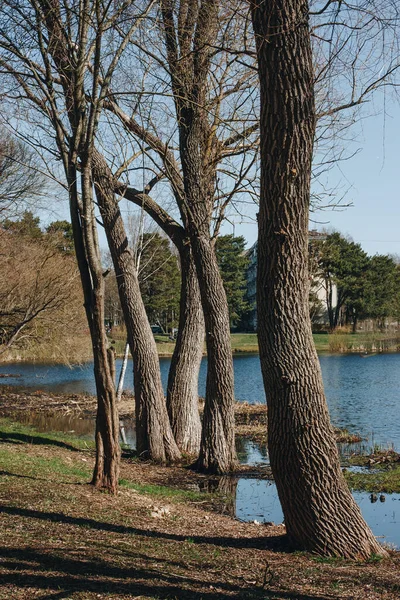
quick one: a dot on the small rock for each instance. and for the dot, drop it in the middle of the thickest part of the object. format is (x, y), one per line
(382, 498)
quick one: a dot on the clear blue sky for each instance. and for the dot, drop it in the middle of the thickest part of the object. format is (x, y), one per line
(371, 180)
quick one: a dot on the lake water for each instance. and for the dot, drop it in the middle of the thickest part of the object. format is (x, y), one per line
(363, 395)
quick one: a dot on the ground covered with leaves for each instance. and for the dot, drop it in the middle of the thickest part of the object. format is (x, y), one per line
(160, 537)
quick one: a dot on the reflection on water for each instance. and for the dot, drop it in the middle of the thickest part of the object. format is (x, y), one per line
(248, 498)
(50, 421)
(363, 395)
(250, 453)
(257, 500)
(82, 427)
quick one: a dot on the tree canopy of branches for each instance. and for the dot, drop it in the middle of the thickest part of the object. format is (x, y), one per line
(20, 180)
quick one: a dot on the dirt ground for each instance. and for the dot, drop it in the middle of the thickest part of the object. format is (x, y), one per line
(61, 539)
(163, 536)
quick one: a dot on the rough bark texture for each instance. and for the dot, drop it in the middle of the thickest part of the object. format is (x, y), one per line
(106, 470)
(217, 449)
(189, 41)
(182, 392)
(320, 513)
(153, 431)
(85, 235)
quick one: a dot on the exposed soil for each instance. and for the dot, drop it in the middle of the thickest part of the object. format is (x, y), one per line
(64, 540)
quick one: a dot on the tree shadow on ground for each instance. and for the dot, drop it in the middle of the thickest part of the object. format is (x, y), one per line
(22, 438)
(9, 474)
(278, 543)
(41, 570)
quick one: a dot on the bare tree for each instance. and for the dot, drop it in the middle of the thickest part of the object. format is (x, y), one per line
(20, 180)
(37, 282)
(50, 51)
(213, 110)
(154, 438)
(320, 513)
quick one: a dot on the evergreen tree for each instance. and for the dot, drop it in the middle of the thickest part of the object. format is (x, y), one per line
(159, 279)
(380, 289)
(27, 225)
(62, 230)
(343, 263)
(233, 263)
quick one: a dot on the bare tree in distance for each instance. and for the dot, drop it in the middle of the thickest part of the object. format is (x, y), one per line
(320, 513)
(20, 182)
(37, 281)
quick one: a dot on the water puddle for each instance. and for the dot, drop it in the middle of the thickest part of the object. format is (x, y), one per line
(45, 422)
(257, 500)
(251, 499)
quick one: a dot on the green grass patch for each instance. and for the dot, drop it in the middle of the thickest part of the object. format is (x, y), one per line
(244, 342)
(383, 479)
(160, 491)
(27, 465)
(13, 431)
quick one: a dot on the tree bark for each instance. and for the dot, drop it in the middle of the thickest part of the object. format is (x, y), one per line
(189, 44)
(106, 470)
(154, 436)
(320, 513)
(182, 392)
(85, 234)
(217, 449)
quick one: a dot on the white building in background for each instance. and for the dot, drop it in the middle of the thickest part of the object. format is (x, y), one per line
(318, 285)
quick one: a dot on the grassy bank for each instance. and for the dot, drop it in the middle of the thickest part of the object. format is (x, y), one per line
(324, 342)
(78, 349)
(159, 538)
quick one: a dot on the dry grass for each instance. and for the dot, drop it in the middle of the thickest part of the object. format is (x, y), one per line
(64, 540)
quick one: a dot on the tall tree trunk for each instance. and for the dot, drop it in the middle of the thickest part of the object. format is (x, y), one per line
(198, 147)
(153, 431)
(320, 513)
(217, 449)
(106, 470)
(182, 392)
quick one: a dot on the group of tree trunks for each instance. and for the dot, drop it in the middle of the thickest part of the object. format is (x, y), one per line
(320, 514)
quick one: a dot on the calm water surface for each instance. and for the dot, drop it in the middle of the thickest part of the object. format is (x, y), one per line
(363, 395)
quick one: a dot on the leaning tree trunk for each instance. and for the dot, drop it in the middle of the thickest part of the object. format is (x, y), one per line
(106, 470)
(182, 392)
(320, 513)
(154, 436)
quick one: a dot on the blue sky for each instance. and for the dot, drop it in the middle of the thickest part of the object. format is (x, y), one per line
(371, 180)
